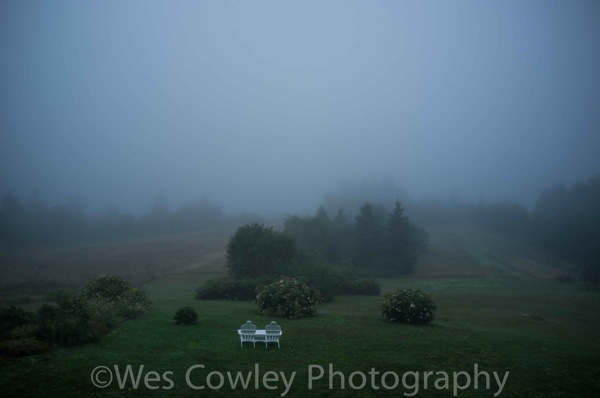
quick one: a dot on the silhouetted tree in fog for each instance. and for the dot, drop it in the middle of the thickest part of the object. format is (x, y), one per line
(369, 238)
(255, 251)
(400, 245)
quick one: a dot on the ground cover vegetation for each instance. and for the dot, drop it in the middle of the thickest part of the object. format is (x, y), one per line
(77, 318)
(542, 332)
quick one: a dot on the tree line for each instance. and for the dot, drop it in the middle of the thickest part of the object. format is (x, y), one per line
(566, 222)
(34, 223)
(381, 242)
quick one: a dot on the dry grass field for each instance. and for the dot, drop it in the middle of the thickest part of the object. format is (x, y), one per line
(28, 276)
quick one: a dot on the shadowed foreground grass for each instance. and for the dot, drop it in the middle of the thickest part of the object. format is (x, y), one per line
(544, 333)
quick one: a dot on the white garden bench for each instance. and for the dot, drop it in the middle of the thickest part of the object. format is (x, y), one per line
(247, 333)
(270, 334)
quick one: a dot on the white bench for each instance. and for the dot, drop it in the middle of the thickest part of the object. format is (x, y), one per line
(249, 334)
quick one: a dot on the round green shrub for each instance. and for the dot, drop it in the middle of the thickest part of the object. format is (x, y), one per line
(288, 298)
(186, 316)
(408, 306)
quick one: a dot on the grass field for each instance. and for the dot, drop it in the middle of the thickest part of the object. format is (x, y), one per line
(545, 334)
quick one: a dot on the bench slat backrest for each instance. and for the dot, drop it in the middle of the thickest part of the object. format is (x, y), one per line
(248, 330)
(273, 331)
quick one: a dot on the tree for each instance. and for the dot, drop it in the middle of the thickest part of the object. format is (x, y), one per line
(368, 238)
(256, 251)
(400, 245)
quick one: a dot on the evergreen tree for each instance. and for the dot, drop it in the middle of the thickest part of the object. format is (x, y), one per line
(368, 238)
(400, 249)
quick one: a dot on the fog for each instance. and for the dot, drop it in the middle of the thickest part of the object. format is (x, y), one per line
(268, 106)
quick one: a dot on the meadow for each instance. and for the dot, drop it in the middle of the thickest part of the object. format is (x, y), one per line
(543, 333)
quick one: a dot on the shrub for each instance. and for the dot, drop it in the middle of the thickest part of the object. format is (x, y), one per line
(111, 299)
(28, 331)
(288, 298)
(67, 324)
(408, 306)
(13, 317)
(137, 302)
(186, 316)
(106, 287)
(231, 288)
(331, 279)
(325, 277)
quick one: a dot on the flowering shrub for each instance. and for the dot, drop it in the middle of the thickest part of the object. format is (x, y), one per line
(408, 306)
(288, 298)
(106, 287)
(110, 299)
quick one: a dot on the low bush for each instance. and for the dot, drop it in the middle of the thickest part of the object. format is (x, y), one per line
(186, 316)
(12, 317)
(112, 299)
(288, 298)
(77, 318)
(408, 306)
(106, 287)
(332, 280)
(67, 324)
(325, 277)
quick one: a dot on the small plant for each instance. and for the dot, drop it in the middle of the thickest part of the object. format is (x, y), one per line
(288, 298)
(408, 306)
(186, 316)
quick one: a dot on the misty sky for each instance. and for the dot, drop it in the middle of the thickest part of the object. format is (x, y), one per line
(266, 106)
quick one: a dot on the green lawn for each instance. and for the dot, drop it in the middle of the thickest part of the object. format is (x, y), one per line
(544, 333)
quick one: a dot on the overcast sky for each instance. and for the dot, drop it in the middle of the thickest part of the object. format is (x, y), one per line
(265, 106)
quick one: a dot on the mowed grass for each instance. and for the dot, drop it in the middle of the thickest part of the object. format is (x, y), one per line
(544, 333)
